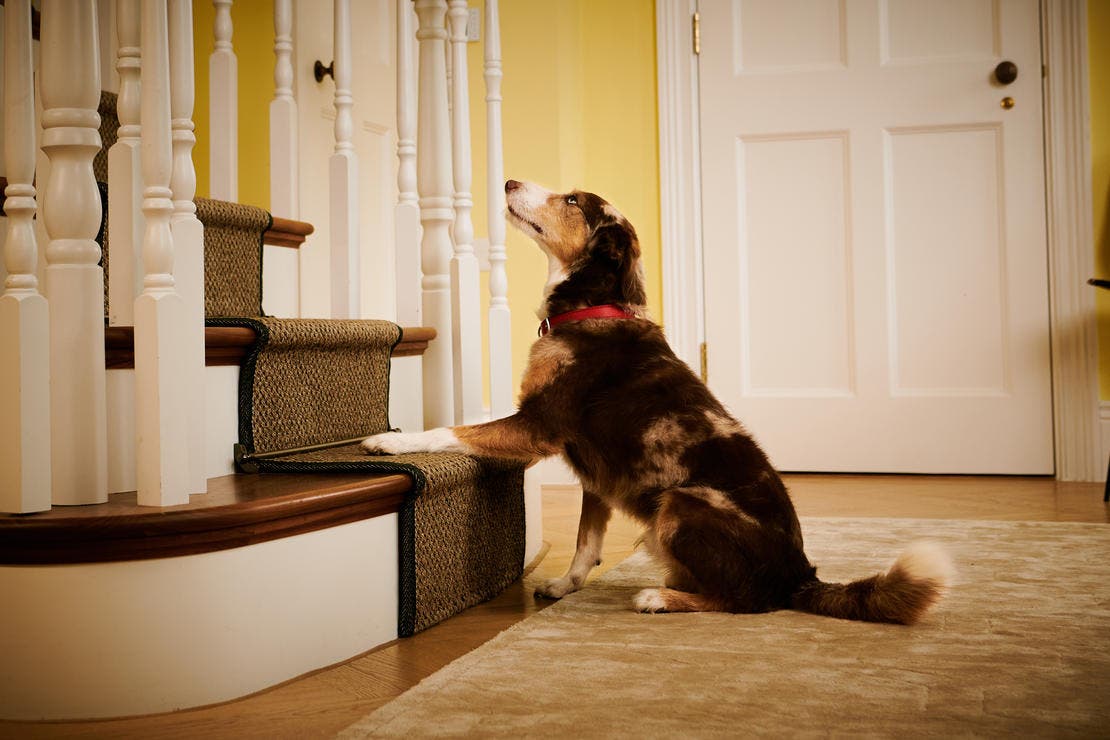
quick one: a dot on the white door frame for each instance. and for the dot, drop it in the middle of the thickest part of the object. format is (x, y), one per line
(1074, 347)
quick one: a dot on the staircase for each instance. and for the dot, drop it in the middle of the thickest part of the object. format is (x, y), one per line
(313, 552)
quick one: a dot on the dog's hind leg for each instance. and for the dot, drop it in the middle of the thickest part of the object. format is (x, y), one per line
(587, 554)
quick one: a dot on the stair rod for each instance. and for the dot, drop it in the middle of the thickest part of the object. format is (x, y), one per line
(244, 461)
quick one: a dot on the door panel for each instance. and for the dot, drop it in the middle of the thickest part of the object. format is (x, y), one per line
(875, 277)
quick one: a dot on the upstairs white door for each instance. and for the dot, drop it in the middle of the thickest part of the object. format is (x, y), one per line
(874, 220)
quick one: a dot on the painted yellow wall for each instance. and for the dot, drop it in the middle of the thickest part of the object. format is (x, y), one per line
(253, 38)
(579, 111)
(1098, 30)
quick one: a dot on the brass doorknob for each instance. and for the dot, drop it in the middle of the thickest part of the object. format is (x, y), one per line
(1005, 72)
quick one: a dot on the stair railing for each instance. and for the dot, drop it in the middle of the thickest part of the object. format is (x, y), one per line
(284, 150)
(466, 328)
(24, 313)
(223, 112)
(70, 91)
(346, 278)
(188, 234)
(406, 214)
(500, 326)
(433, 164)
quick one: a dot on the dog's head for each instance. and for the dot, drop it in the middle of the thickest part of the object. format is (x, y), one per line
(593, 249)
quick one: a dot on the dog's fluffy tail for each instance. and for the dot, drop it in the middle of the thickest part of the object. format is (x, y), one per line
(916, 581)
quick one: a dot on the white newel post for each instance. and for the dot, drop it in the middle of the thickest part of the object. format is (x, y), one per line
(223, 114)
(433, 162)
(24, 314)
(466, 310)
(188, 233)
(343, 180)
(70, 89)
(500, 327)
(406, 214)
(160, 314)
(125, 218)
(284, 177)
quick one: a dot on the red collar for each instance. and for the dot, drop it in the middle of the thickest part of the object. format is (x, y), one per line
(607, 311)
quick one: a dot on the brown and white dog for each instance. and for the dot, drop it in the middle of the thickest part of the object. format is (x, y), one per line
(645, 436)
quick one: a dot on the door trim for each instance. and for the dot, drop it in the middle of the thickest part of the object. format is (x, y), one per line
(1074, 347)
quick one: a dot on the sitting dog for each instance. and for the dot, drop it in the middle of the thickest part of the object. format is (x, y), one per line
(646, 436)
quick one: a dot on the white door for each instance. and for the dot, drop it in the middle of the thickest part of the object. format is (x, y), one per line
(875, 255)
(373, 88)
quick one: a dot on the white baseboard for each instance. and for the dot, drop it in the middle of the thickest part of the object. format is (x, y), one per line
(1104, 434)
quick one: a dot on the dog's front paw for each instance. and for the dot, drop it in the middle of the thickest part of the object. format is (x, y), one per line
(649, 601)
(556, 588)
(388, 443)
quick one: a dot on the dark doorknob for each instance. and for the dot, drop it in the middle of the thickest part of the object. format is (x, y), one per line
(1005, 72)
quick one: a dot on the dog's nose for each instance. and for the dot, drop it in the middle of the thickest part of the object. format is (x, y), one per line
(511, 185)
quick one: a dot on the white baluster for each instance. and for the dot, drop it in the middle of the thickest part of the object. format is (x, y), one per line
(125, 218)
(466, 311)
(223, 114)
(70, 84)
(24, 314)
(160, 315)
(284, 177)
(188, 233)
(406, 214)
(343, 179)
(433, 162)
(500, 326)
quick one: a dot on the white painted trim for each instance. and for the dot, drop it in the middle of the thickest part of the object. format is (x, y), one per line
(1070, 246)
(680, 179)
(193, 630)
(1070, 241)
(1104, 434)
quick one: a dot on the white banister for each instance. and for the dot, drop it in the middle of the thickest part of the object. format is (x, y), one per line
(70, 91)
(160, 314)
(125, 218)
(406, 214)
(284, 176)
(500, 327)
(466, 310)
(346, 280)
(433, 163)
(188, 234)
(24, 313)
(223, 113)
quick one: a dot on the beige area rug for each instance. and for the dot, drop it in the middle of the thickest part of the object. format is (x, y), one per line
(1021, 647)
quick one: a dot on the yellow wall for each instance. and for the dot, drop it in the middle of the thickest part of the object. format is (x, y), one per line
(1098, 30)
(253, 38)
(579, 111)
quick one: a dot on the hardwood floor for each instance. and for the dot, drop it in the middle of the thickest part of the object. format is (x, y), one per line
(323, 703)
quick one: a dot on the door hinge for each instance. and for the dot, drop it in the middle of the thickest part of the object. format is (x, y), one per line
(697, 33)
(704, 350)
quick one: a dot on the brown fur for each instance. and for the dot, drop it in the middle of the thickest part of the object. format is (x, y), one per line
(645, 435)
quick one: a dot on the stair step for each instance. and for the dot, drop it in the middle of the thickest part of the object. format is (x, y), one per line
(238, 510)
(226, 345)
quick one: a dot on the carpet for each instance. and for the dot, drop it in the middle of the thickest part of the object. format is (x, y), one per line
(1021, 646)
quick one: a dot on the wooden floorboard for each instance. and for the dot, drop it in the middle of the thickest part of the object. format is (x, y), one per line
(323, 703)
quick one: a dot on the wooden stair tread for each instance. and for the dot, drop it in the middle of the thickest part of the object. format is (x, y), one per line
(238, 510)
(285, 232)
(227, 345)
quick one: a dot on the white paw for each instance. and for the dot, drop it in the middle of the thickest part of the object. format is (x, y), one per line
(556, 588)
(649, 600)
(389, 443)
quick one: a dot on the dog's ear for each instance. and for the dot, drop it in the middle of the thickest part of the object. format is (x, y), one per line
(616, 243)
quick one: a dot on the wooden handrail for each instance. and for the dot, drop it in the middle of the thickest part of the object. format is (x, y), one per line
(227, 345)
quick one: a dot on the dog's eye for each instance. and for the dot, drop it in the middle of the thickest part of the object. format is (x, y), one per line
(572, 200)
